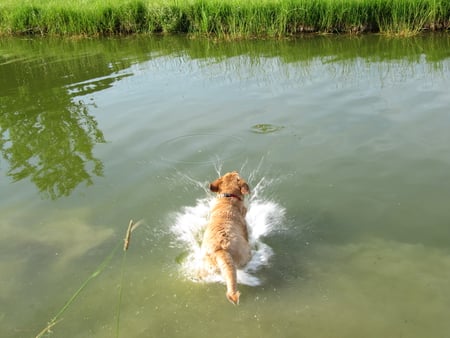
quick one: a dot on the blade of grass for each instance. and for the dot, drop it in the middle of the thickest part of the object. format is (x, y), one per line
(97, 272)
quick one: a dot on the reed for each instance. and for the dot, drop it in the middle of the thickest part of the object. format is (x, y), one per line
(57, 318)
(235, 18)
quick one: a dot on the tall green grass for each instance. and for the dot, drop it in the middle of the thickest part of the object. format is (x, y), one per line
(234, 18)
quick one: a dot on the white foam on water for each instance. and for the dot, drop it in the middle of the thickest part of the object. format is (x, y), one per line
(263, 218)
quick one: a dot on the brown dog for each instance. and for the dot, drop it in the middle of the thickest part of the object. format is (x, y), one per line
(225, 241)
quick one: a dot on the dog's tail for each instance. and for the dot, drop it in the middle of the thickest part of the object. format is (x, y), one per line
(228, 270)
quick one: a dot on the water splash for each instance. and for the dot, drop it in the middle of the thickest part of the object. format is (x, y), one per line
(263, 218)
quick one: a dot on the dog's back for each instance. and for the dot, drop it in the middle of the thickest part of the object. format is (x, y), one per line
(225, 241)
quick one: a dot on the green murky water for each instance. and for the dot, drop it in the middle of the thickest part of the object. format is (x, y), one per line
(351, 136)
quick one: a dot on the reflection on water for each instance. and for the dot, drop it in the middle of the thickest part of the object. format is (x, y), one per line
(46, 134)
(52, 149)
(351, 132)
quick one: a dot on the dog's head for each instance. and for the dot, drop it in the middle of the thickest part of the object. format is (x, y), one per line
(230, 183)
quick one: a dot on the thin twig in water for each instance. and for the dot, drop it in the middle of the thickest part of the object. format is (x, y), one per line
(131, 227)
(55, 320)
(126, 240)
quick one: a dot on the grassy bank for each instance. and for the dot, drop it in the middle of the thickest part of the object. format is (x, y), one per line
(237, 18)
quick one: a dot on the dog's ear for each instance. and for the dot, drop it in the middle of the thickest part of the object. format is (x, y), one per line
(245, 189)
(214, 186)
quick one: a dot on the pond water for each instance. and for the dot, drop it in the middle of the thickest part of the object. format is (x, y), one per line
(344, 141)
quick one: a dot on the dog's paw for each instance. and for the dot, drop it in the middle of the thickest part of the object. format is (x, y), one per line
(234, 297)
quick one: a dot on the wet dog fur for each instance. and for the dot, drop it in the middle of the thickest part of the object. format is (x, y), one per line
(225, 242)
